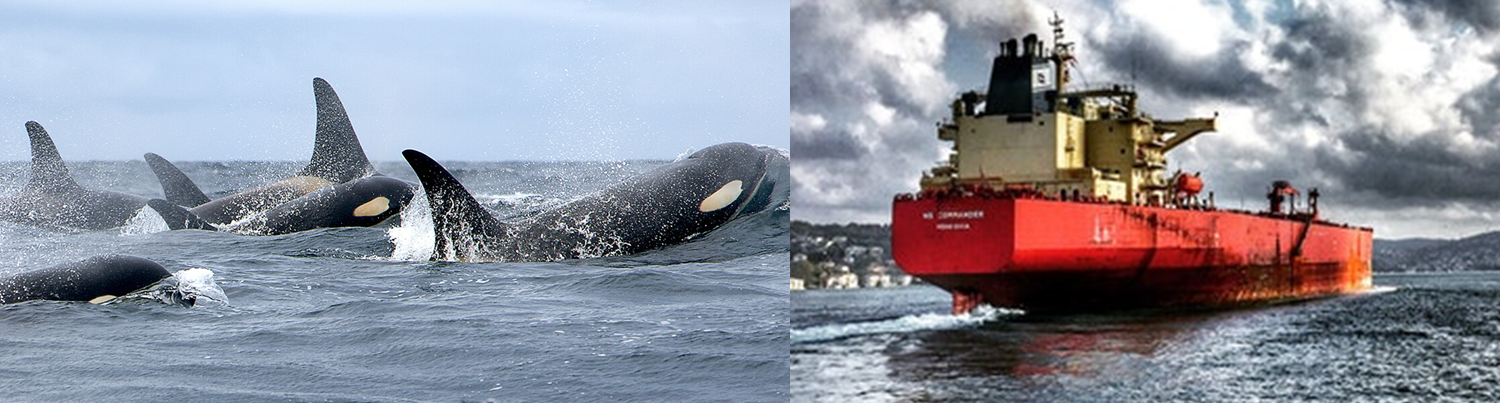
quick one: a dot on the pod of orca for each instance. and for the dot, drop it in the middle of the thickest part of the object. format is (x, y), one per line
(340, 188)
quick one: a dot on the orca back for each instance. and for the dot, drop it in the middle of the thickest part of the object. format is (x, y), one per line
(110, 275)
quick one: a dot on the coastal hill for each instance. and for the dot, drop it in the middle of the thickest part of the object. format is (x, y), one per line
(1478, 252)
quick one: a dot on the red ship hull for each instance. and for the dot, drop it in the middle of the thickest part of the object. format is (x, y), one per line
(1062, 256)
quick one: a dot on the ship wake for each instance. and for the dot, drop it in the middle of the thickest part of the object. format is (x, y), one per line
(904, 324)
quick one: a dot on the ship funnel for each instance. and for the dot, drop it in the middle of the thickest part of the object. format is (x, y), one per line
(1033, 46)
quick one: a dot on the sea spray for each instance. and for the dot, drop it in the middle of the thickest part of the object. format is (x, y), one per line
(145, 221)
(414, 238)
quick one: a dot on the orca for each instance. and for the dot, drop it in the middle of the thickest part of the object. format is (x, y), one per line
(338, 174)
(337, 158)
(53, 199)
(668, 205)
(361, 202)
(96, 279)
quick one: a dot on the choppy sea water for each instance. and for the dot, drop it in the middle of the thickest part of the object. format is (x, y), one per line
(1432, 337)
(351, 315)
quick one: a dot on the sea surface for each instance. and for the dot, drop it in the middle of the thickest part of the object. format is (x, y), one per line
(358, 314)
(1416, 338)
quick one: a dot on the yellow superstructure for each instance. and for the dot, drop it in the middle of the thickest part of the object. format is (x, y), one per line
(1028, 131)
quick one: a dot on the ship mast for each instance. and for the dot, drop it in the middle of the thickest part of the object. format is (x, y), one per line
(1062, 53)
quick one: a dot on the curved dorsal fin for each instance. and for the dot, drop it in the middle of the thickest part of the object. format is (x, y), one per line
(460, 224)
(47, 168)
(178, 187)
(178, 217)
(337, 155)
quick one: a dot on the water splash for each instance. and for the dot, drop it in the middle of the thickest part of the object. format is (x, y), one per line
(145, 221)
(191, 287)
(513, 198)
(685, 153)
(197, 285)
(904, 324)
(414, 238)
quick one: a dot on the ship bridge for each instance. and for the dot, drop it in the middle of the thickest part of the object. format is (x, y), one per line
(1028, 131)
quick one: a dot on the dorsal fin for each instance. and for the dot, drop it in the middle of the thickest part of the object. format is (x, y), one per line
(461, 225)
(178, 188)
(337, 155)
(178, 217)
(47, 168)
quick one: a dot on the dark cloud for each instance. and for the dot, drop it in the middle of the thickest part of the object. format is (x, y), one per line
(827, 145)
(1314, 104)
(1480, 106)
(1333, 117)
(1327, 58)
(1320, 43)
(1331, 59)
(1151, 61)
(1483, 15)
(828, 73)
(1416, 172)
(815, 49)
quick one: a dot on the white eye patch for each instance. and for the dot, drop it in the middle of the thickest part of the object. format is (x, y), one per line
(373, 208)
(723, 197)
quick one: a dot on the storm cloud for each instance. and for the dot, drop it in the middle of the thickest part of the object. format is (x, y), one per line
(1391, 107)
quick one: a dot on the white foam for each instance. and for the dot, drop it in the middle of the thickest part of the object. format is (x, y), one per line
(199, 283)
(685, 154)
(904, 324)
(414, 238)
(145, 221)
(516, 197)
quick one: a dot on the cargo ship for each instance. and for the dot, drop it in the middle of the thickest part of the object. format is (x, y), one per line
(1056, 200)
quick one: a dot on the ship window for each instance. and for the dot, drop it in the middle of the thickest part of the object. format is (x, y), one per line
(1122, 151)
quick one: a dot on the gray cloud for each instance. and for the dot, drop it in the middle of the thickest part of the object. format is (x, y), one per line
(1420, 172)
(827, 144)
(1481, 105)
(1390, 106)
(1150, 60)
(1480, 14)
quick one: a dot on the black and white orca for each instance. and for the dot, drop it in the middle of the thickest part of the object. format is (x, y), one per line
(97, 279)
(665, 206)
(53, 199)
(361, 202)
(338, 188)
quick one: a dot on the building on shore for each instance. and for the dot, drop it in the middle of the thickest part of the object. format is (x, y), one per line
(840, 278)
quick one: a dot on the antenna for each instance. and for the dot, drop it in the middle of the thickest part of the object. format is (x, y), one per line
(1062, 52)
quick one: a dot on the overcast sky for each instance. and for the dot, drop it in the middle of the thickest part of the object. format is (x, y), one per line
(1391, 107)
(460, 80)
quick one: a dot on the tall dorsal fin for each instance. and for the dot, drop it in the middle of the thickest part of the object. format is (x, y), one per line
(337, 155)
(460, 224)
(178, 188)
(47, 168)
